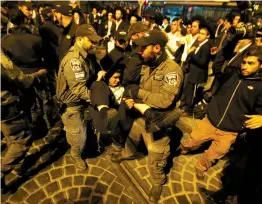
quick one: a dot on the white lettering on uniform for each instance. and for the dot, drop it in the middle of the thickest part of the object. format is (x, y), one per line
(76, 65)
(80, 75)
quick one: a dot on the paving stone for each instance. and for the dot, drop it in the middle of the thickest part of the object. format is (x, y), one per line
(72, 194)
(195, 198)
(97, 200)
(96, 171)
(177, 167)
(47, 201)
(90, 180)
(200, 185)
(82, 202)
(101, 188)
(69, 170)
(107, 177)
(188, 186)
(142, 162)
(93, 161)
(69, 160)
(190, 168)
(43, 179)
(112, 199)
(143, 172)
(52, 188)
(170, 201)
(166, 192)
(182, 199)
(19, 196)
(59, 163)
(79, 180)
(215, 182)
(145, 185)
(66, 182)
(85, 192)
(103, 164)
(188, 176)
(176, 187)
(36, 197)
(125, 199)
(5, 197)
(60, 198)
(116, 188)
(175, 176)
(56, 173)
(31, 186)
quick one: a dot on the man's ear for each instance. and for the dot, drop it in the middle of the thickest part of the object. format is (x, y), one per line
(157, 48)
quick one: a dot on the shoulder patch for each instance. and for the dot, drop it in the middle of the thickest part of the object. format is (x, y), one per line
(75, 65)
(171, 78)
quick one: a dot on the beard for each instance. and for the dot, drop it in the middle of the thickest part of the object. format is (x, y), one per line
(150, 58)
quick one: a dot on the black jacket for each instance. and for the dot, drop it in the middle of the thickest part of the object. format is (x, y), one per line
(236, 98)
(123, 27)
(198, 64)
(67, 39)
(24, 49)
(50, 34)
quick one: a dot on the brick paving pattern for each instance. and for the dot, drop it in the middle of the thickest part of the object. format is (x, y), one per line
(52, 178)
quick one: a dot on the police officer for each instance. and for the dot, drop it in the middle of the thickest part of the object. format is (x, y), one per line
(64, 16)
(160, 84)
(72, 92)
(15, 126)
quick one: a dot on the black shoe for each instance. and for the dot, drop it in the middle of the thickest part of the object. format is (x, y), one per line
(214, 197)
(156, 120)
(155, 193)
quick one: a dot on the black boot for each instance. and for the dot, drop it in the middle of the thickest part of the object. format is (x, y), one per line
(155, 193)
(155, 120)
(217, 197)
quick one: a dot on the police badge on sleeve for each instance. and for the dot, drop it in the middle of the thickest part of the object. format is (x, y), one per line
(77, 69)
(171, 78)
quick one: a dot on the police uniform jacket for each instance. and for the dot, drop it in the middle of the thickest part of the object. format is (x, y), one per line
(159, 88)
(73, 76)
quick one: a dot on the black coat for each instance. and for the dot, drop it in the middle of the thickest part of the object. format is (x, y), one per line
(24, 49)
(123, 27)
(236, 98)
(50, 34)
(67, 39)
(94, 20)
(198, 64)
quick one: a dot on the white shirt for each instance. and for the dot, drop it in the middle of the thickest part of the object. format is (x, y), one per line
(189, 41)
(117, 24)
(171, 46)
(118, 93)
(199, 46)
(109, 25)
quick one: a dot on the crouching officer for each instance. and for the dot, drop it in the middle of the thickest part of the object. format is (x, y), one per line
(72, 92)
(15, 126)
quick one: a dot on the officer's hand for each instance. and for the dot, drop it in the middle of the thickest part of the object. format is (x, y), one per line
(254, 122)
(100, 75)
(42, 72)
(129, 102)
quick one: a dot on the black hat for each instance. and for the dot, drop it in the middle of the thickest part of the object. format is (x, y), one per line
(199, 18)
(210, 29)
(88, 31)
(137, 27)
(28, 4)
(64, 9)
(153, 37)
(113, 67)
(47, 13)
(16, 16)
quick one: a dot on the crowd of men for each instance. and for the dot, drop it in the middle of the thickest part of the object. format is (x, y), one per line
(132, 78)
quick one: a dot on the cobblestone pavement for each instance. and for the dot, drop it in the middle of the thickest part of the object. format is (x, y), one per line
(52, 178)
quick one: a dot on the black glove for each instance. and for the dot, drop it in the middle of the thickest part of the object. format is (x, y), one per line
(200, 109)
(131, 91)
